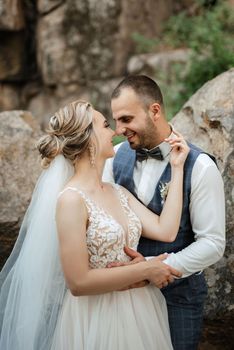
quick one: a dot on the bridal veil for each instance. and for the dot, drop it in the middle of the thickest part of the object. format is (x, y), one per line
(32, 285)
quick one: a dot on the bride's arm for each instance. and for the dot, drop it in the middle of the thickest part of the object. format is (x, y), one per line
(71, 218)
(165, 227)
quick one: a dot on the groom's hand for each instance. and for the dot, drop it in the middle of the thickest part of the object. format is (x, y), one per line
(164, 274)
(134, 255)
(136, 258)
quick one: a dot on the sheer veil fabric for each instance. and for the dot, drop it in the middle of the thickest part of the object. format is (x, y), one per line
(32, 285)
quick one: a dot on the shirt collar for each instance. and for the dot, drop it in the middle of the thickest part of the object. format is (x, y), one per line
(165, 148)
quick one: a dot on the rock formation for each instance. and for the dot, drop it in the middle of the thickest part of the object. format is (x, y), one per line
(207, 119)
(54, 51)
(19, 169)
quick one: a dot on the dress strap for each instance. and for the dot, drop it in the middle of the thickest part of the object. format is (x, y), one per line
(123, 197)
(88, 202)
(68, 188)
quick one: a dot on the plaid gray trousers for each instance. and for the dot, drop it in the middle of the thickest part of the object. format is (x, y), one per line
(185, 302)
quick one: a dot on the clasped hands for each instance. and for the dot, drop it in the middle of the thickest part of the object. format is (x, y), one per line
(162, 274)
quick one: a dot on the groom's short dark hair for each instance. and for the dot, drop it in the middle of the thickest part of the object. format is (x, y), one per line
(143, 86)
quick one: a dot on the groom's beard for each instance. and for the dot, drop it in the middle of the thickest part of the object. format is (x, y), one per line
(145, 138)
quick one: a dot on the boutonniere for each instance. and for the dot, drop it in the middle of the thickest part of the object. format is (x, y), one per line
(163, 189)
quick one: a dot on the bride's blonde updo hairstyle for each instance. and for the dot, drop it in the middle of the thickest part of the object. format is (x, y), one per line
(69, 133)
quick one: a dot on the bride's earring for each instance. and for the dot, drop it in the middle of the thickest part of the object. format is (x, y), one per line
(92, 154)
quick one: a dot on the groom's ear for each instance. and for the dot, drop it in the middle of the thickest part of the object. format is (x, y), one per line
(155, 111)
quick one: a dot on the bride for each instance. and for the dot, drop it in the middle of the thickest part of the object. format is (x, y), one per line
(56, 292)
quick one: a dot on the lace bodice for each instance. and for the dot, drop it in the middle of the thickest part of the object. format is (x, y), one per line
(106, 238)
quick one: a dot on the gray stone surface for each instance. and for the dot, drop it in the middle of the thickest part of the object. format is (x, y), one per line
(65, 44)
(207, 120)
(45, 6)
(86, 40)
(19, 169)
(11, 56)
(154, 63)
(11, 15)
(76, 42)
(9, 97)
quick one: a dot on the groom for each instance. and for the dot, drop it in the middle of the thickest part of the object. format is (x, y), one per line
(141, 164)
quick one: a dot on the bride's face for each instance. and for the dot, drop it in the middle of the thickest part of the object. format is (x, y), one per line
(104, 135)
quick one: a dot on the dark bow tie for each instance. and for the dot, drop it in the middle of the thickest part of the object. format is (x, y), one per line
(142, 154)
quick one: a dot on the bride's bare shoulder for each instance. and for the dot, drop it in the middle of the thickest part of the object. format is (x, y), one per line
(69, 198)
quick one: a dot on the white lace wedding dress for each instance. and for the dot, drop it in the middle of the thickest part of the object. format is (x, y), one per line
(132, 319)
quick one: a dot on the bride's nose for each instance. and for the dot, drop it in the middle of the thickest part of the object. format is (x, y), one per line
(113, 133)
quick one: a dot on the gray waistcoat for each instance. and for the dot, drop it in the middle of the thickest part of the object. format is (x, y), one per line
(123, 167)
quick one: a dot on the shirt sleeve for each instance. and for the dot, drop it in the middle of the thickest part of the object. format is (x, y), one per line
(207, 215)
(108, 175)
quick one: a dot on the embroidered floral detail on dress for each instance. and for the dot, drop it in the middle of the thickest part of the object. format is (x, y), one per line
(106, 238)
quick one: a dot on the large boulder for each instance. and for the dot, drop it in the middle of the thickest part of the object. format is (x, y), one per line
(45, 6)
(19, 169)
(156, 63)
(11, 15)
(86, 40)
(207, 119)
(76, 42)
(45, 103)
(12, 57)
(9, 97)
(62, 44)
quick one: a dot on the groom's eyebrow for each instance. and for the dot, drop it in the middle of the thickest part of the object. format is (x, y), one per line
(125, 116)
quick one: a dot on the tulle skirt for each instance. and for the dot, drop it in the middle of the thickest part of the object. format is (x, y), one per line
(135, 319)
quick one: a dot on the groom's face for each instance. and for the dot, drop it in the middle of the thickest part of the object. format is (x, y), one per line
(132, 120)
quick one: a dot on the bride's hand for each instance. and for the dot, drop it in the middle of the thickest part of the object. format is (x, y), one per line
(179, 149)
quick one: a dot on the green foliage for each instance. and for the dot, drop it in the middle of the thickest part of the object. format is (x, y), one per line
(210, 36)
(204, 69)
(144, 44)
(118, 139)
(204, 29)
(172, 88)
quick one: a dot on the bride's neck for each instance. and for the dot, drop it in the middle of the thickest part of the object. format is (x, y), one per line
(89, 176)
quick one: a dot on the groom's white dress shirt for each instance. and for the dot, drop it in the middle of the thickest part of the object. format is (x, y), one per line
(207, 208)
